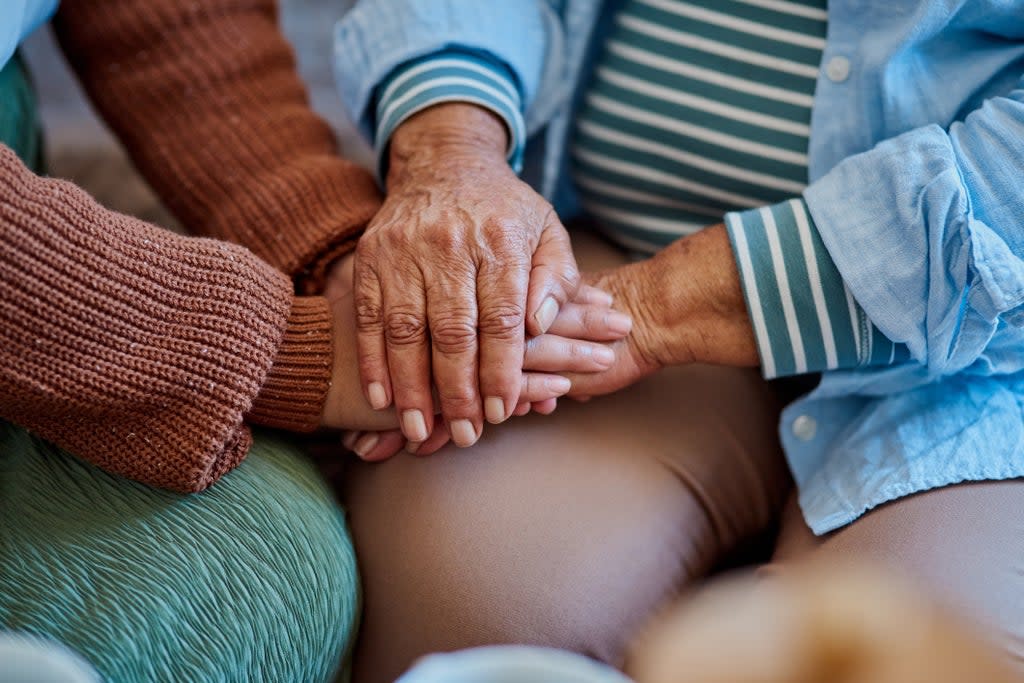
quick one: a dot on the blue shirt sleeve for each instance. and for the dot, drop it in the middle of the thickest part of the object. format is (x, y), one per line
(927, 231)
(18, 19)
(805, 319)
(378, 36)
(452, 75)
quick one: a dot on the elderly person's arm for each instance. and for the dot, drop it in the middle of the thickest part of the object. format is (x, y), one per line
(909, 253)
(464, 259)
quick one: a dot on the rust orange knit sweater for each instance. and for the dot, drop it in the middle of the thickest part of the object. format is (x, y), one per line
(140, 350)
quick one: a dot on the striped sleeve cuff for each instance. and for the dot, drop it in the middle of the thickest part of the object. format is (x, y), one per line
(804, 318)
(449, 76)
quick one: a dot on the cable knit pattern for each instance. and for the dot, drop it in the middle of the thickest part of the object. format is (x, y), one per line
(207, 100)
(132, 347)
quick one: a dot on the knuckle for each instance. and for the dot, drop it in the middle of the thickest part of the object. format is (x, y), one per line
(369, 315)
(458, 400)
(404, 327)
(452, 334)
(504, 321)
(444, 241)
(579, 350)
(570, 275)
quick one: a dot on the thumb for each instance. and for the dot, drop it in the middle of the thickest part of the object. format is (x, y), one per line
(554, 277)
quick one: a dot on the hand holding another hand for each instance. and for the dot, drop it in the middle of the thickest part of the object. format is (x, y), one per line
(460, 264)
(571, 345)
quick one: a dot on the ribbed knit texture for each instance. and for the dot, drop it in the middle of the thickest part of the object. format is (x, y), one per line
(130, 346)
(292, 396)
(207, 100)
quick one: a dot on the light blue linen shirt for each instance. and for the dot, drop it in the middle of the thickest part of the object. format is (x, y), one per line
(19, 18)
(916, 154)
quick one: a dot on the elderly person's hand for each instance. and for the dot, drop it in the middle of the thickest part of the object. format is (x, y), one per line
(687, 306)
(460, 264)
(571, 345)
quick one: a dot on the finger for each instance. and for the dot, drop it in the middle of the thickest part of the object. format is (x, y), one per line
(373, 446)
(348, 440)
(452, 315)
(538, 386)
(551, 353)
(588, 294)
(522, 409)
(438, 438)
(554, 277)
(408, 350)
(501, 299)
(589, 321)
(545, 407)
(373, 366)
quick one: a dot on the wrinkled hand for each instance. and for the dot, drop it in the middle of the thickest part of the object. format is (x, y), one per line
(461, 262)
(568, 346)
(687, 306)
(588, 317)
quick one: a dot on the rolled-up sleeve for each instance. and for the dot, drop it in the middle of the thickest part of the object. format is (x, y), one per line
(804, 316)
(452, 75)
(927, 231)
(378, 36)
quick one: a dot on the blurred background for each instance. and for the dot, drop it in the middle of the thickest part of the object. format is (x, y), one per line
(80, 148)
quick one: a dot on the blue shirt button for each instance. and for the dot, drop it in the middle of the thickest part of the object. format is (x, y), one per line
(805, 427)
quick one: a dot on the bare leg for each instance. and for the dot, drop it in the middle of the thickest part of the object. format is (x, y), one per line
(569, 530)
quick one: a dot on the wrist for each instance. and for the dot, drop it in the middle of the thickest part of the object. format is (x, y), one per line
(294, 391)
(455, 135)
(703, 314)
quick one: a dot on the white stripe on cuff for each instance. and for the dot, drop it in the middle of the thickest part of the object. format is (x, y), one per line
(753, 296)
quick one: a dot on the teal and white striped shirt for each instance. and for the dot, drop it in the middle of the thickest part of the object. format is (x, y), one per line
(698, 111)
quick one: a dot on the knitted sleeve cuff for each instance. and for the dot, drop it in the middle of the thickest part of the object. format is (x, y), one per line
(292, 397)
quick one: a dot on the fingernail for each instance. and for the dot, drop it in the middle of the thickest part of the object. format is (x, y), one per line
(378, 397)
(494, 409)
(463, 433)
(412, 446)
(414, 426)
(349, 440)
(604, 355)
(546, 314)
(366, 443)
(558, 385)
(619, 323)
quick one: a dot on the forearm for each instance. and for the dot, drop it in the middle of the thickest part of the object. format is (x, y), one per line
(692, 303)
(208, 102)
(134, 348)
